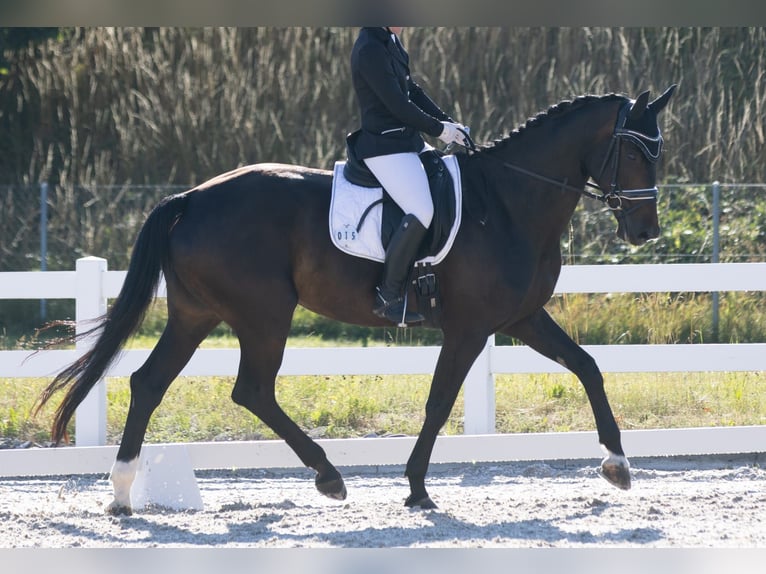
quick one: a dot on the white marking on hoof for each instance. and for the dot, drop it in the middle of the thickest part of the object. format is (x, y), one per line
(615, 468)
(618, 460)
(122, 475)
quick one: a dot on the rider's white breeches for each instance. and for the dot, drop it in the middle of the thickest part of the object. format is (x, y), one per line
(404, 178)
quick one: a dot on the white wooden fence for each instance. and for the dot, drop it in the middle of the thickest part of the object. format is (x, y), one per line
(91, 284)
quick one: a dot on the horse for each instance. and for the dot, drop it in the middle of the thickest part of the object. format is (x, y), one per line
(247, 246)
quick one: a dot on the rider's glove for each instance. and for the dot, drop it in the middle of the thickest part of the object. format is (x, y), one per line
(451, 133)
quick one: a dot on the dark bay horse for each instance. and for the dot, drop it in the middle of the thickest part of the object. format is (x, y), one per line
(248, 246)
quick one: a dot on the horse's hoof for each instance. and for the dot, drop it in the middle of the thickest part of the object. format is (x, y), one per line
(616, 470)
(334, 488)
(424, 502)
(116, 509)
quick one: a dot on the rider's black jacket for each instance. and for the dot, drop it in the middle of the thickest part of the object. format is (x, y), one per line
(394, 109)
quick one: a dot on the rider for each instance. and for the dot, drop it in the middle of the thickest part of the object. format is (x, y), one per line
(394, 110)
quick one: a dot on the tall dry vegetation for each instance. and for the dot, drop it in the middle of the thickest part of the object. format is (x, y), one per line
(107, 107)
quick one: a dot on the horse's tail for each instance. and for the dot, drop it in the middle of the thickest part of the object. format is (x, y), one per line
(150, 255)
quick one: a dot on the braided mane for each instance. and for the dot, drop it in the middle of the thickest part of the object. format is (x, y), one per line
(553, 112)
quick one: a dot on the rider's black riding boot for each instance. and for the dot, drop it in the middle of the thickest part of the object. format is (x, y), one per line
(400, 256)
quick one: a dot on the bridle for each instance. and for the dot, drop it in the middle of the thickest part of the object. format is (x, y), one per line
(650, 146)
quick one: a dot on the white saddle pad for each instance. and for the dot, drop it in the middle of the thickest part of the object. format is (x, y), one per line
(349, 203)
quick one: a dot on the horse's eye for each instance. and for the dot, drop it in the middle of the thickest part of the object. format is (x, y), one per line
(632, 156)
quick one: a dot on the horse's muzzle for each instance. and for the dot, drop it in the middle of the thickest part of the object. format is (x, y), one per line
(648, 234)
(637, 236)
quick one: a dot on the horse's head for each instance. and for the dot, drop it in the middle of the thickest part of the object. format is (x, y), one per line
(627, 172)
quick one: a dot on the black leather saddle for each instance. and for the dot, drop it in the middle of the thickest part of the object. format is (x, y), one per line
(442, 194)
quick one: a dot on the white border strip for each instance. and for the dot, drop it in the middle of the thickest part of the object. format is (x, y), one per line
(396, 450)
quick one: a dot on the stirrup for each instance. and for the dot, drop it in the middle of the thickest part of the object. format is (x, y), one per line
(395, 310)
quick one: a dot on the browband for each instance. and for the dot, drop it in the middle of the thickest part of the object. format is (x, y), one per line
(650, 146)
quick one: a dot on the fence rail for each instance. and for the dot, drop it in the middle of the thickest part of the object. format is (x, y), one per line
(91, 285)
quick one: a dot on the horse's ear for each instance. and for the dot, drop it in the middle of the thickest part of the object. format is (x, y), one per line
(657, 105)
(639, 106)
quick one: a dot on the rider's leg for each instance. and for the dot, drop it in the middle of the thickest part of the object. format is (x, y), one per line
(404, 179)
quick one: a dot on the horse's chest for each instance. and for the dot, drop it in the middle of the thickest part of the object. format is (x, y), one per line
(543, 282)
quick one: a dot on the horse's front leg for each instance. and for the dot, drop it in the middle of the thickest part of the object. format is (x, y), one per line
(455, 359)
(542, 334)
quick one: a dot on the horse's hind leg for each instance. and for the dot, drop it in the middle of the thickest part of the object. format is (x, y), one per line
(147, 387)
(261, 355)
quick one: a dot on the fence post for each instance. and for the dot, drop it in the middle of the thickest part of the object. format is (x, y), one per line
(716, 251)
(43, 243)
(479, 394)
(90, 417)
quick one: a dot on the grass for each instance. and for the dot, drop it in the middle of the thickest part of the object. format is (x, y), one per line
(200, 408)
(660, 318)
(546, 403)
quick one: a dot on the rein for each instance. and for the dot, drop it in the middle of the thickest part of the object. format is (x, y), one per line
(613, 198)
(561, 184)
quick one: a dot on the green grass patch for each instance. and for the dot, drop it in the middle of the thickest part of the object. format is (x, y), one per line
(557, 402)
(200, 408)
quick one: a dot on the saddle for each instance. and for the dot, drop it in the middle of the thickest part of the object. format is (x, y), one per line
(442, 195)
(363, 218)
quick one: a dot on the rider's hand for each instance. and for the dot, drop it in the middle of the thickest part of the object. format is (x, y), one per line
(451, 133)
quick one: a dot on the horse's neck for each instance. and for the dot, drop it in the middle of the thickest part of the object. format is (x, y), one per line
(544, 205)
(536, 207)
